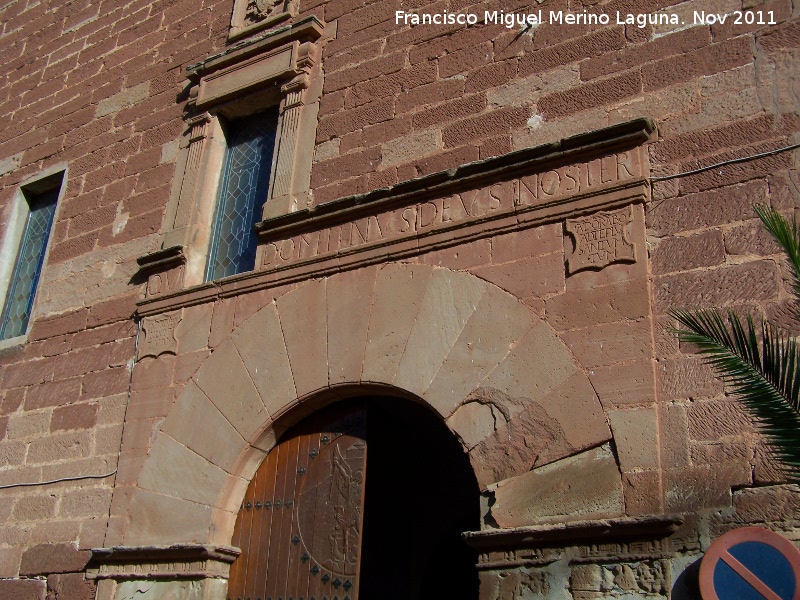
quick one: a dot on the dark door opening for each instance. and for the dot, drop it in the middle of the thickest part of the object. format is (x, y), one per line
(421, 494)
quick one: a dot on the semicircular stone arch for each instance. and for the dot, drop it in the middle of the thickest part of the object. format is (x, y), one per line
(500, 377)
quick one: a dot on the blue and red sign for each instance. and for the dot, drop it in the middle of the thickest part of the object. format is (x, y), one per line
(751, 563)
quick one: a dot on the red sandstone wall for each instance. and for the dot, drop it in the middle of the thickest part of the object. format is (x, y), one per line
(99, 87)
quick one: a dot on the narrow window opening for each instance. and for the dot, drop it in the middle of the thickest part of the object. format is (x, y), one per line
(242, 193)
(41, 205)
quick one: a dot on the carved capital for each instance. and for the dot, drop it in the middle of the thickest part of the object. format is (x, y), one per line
(199, 126)
(179, 561)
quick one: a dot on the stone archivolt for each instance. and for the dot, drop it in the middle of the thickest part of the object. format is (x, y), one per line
(466, 348)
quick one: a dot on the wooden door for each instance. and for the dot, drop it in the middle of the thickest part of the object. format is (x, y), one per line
(300, 523)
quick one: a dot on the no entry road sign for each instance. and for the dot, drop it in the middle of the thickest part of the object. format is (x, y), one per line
(751, 563)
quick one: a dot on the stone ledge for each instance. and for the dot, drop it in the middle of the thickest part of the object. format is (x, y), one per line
(510, 215)
(177, 561)
(577, 531)
(628, 134)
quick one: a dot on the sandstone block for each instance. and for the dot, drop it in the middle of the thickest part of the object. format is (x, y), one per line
(636, 438)
(349, 306)
(174, 470)
(194, 328)
(189, 521)
(305, 329)
(498, 323)
(22, 589)
(399, 290)
(45, 559)
(609, 344)
(606, 304)
(227, 383)
(625, 384)
(450, 300)
(76, 416)
(199, 425)
(260, 343)
(584, 486)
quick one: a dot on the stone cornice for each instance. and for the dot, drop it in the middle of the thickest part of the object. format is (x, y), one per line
(471, 175)
(178, 561)
(575, 176)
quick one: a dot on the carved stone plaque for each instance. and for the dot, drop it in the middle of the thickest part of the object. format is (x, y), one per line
(159, 335)
(601, 239)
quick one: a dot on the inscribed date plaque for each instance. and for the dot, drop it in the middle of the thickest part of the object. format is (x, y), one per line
(601, 239)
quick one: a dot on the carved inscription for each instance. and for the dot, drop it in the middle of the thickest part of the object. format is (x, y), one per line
(462, 208)
(414, 219)
(601, 239)
(578, 178)
(642, 579)
(165, 282)
(159, 335)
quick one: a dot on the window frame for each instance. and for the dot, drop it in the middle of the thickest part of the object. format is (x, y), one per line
(277, 69)
(11, 244)
(228, 129)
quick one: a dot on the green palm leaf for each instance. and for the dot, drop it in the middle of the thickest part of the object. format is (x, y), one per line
(761, 365)
(786, 235)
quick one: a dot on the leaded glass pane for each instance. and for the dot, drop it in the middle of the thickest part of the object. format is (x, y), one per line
(22, 287)
(243, 191)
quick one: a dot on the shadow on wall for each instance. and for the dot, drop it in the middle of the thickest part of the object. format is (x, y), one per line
(687, 585)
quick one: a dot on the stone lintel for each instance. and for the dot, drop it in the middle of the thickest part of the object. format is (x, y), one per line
(622, 136)
(308, 29)
(519, 190)
(177, 561)
(582, 532)
(161, 260)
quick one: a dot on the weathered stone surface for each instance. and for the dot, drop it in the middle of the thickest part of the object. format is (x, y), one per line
(537, 364)
(399, 290)
(612, 343)
(715, 420)
(189, 522)
(22, 589)
(73, 586)
(625, 384)
(497, 324)
(195, 326)
(690, 489)
(260, 343)
(683, 253)
(674, 435)
(475, 421)
(636, 438)
(174, 470)
(199, 425)
(175, 590)
(584, 486)
(45, 559)
(449, 301)
(349, 306)
(9, 562)
(686, 377)
(528, 277)
(227, 383)
(517, 443)
(304, 321)
(643, 494)
(533, 433)
(606, 304)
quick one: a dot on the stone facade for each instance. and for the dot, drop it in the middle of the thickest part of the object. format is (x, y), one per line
(480, 219)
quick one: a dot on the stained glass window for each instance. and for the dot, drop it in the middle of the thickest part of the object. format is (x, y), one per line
(243, 190)
(28, 267)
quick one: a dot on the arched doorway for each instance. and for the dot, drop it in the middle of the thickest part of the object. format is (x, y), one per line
(378, 493)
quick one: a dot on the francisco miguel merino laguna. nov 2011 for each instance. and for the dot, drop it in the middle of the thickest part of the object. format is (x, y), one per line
(560, 17)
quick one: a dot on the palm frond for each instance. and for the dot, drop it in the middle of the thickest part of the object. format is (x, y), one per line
(761, 365)
(786, 235)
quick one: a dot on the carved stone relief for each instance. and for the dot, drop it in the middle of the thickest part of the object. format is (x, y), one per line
(159, 335)
(601, 239)
(644, 579)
